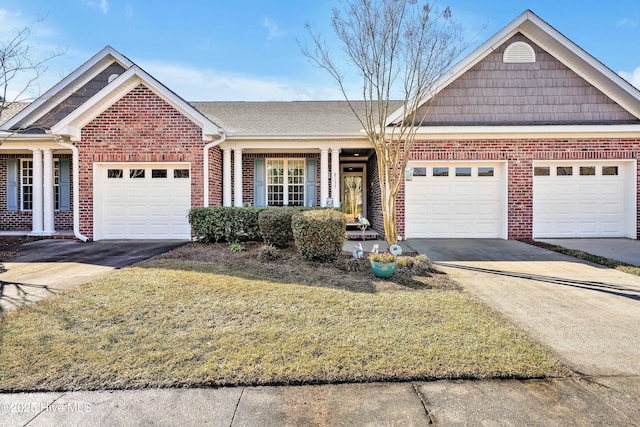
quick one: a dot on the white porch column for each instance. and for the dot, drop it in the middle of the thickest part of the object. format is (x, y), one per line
(237, 177)
(335, 176)
(324, 176)
(226, 176)
(48, 196)
(37, 219)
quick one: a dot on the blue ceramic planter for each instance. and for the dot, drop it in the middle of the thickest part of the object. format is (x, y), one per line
(383, 270)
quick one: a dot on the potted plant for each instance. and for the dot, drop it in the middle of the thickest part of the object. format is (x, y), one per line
(383, 265)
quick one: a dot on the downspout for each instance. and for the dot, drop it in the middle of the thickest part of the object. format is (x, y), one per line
(76, 191)
(223, 137)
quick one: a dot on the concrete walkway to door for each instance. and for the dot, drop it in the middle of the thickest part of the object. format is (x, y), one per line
(588, 315)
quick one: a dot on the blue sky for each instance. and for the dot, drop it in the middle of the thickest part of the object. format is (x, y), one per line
(248, 49)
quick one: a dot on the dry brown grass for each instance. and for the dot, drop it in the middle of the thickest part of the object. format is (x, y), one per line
(202, 316)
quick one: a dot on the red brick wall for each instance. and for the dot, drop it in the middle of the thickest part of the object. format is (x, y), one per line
(520, 155)
(142, 127)
(21, 220)
(247, 172)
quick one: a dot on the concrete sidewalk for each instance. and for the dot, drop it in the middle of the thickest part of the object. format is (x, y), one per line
(558, 402)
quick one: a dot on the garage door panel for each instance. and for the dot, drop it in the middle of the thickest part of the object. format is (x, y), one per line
(579, 205)
(455, 206)
(141, 208)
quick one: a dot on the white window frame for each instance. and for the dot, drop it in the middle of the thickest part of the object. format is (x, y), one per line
(23, 184)
(286, 184)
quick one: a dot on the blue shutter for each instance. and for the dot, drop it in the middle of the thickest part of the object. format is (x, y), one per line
(259, 176)
(13, 166)
(64, 184)
(311, 182)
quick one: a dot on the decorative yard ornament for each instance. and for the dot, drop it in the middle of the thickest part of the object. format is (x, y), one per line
(358, 252)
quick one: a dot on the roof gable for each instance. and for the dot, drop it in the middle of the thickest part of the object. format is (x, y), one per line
(72, 124)
(557, 46)
(58, 95)
(521, 92)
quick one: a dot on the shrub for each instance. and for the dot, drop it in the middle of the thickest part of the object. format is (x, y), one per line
(235, 247)
(268, 253)
(225, 224)
(275, 226)
(419, 265)
(319, 234)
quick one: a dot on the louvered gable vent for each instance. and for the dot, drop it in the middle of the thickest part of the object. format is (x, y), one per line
(519, 53)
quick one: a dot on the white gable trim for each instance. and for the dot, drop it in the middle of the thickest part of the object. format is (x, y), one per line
(528, 132)
(74, 81)
(72, 124)
(563, 49)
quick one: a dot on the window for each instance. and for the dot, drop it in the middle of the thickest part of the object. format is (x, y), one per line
(26, 188)
(136, 173)
(541, 171)
(158, 173)
(463, 171)
(440, 171)
(419, 171)
(485, 171)
(564, 170)
(26, 185)
(587, 170)
(285, 182)
(114, 173)
(609, 170)
(181, 173)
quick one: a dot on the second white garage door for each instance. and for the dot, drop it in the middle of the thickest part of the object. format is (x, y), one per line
(142, 201)
(585, 199)
(455, 200)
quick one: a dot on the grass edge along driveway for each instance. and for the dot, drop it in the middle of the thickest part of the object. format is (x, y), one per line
(175, 323)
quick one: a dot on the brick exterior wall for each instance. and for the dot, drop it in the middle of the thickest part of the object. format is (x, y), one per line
(247, 172)
(21, 220)
(142, 127)
(374, 201)
(520, 155)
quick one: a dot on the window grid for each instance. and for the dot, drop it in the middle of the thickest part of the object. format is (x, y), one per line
(27, 185)
(285, 182)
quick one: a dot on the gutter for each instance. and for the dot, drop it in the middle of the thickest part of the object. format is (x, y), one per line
(76, 191)
(205, 163)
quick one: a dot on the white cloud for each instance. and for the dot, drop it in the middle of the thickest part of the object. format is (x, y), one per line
(632, 77)
(626, 22)
(273, 30)
(103, 5)
(207, 85)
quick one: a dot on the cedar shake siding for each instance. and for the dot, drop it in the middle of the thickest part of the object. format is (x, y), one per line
(539, 93)
(142, 127)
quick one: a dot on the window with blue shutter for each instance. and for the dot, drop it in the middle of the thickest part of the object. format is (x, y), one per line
(64, 185)
(13, 166)
(259, 176)
(311, 182)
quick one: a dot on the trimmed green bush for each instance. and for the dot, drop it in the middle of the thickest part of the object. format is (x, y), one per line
(319, 234)
(275, 226)
(225, 224)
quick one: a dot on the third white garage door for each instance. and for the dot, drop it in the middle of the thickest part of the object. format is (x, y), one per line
(585, 199)
(142, 201)
(455, 200)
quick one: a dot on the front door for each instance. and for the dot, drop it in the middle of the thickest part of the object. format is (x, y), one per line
(353, 193)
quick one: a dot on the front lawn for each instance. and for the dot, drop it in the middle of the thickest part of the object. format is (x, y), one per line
(183, 321)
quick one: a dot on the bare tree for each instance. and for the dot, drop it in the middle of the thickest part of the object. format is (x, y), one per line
(20, 68)
(400, 49)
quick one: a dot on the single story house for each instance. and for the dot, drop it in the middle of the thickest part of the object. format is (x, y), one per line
(528, 136)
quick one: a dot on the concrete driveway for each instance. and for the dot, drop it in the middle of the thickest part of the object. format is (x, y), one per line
(47, 267)
(588, 315)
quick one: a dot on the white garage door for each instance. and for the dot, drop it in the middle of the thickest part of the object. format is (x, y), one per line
(586, 199)
(142, 201)
(455, 200)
